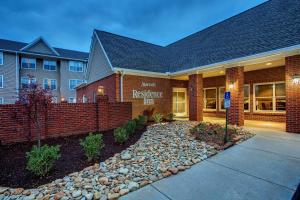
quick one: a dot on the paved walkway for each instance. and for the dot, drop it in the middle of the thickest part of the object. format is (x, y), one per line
(266, 166)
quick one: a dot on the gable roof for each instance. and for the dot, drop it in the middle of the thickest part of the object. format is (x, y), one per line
(9, 45)
(269, 26)
(36, 41)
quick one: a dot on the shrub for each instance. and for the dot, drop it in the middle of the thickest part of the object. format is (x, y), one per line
(140, 121)
(92, 145)
(41, 160)
(170, 117)
(149, 113)
(120, 135)
(130, 126)
(157, 117)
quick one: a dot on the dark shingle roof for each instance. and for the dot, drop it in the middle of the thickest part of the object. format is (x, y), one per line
(269, 26)
(10, 45)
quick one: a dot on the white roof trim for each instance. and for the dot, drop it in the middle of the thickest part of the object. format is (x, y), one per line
(38, 40)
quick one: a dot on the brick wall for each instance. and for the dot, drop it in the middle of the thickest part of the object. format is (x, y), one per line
(196, 97)
(64, 119)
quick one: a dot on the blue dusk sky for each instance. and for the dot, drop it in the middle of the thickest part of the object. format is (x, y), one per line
(69, 23)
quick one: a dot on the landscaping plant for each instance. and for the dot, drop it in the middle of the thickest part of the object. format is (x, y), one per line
(157, 118)
(40, 160)
(170, 117)
(120, 135)
(140, 121)
(92, 145)
(130, 126)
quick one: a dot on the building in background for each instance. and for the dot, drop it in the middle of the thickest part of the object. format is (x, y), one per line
(57, 69)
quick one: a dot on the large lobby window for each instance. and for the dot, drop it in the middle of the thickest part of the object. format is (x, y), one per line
(269, 97)
(247, 98)
(210, 98)
(221, 98)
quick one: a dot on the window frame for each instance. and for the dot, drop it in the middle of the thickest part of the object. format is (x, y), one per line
(2, 100)
(72, 61)
(29, 80)
(248, 85)
(28, 58)
(50, 61)
(273, 98)
(2, 58)
(49, 79)
(204, 99)
(2, 81)
(76, 86)
(72, 101)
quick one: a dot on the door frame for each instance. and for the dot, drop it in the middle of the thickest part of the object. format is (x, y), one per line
(176, 89)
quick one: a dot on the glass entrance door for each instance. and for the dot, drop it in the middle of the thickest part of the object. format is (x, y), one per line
(179, 102)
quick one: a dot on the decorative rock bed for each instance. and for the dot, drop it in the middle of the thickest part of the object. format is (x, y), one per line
(164, 149)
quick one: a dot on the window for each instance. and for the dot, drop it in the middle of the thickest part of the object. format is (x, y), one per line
(75, 66)
(50, 65)
(26, 81)
(247, 98)
(1, 58)
(54, 100)
(84, 99)
(179, 101)
(210, 98)
(73, 83)
(269, 97)
(72, 100)
(50, 84)
(221, 98)
(1, 81)
(1, 100)
(28, 63)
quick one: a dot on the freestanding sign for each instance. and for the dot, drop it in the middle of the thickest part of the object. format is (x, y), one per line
(226, 106)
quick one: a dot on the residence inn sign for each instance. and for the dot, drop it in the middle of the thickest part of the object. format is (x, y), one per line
(148, 95)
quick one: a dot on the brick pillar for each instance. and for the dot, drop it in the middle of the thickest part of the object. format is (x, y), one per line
(235, 78)
(196, 97)
(292, 93)
(102, 112)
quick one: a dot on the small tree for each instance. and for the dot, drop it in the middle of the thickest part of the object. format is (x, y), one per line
(36, 102)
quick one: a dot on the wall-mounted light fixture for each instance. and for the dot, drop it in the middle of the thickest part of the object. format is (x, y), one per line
(62, 99)
(231, 85)
(100, 90)
(296, 79)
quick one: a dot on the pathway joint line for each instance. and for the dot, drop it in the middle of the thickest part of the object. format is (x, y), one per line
(160, 191)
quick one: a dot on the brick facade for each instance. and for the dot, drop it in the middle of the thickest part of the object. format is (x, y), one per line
(196, 97)
(292, 94)
(64, 119)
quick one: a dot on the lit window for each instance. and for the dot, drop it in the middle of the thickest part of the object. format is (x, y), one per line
(247, 98)
(28, 63)
(50, 65)
(50, 84)
(73, 83)
(1, 81)
(26, 81)
(210, 99)
(269, 97)
(75, 66)
(72, 100)
(1, 100)
(221, 98)
(1, 58)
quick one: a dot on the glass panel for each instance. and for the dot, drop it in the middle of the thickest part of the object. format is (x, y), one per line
(264, 90)
(222, 104)
(221, 93)
(246, 104)
(174, 107)
(180, 97)
(210, 93)
(264, 104)
(280, 104)
(181, 107)
(246, 91)
(280, 89)
(211, 104)
(174, 96)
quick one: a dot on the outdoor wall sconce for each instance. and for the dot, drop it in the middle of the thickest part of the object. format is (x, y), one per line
(100, 90)
(62, 99)
(296, 79)
(231, 85)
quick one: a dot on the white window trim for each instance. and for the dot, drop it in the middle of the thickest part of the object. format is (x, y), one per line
(273, 98)
(28, 58)
(74, 70)
(2, 83)
(70, 83)
(248, 85)
(204, 98)
(50, 69)
(2, 55)
(220, 98)
(2, 99)
(72, 98)
(49, 79)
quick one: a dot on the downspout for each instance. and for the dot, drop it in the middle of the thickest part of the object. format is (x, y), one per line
(17, 75)
(121, 85)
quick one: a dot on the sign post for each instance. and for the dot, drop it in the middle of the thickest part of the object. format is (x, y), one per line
(226, 106)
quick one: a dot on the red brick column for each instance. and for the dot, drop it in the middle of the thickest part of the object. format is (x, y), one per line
(292, 92)
(235, 78)
(102, 112)
(196, 97)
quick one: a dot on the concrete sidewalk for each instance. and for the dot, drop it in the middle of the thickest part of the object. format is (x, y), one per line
(266, 166)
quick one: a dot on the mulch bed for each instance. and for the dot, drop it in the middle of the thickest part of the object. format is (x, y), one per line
(13, 171)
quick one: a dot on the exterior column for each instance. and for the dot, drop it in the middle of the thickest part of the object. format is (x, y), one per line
(196, 97)
(102, 112)
(235, 85)
(292, 93)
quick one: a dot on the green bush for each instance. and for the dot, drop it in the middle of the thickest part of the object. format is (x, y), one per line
(157, 117)
(130, 126)
(92, 145)
(41, 160)
(170, 117)
(120, 135)
(140, 121)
